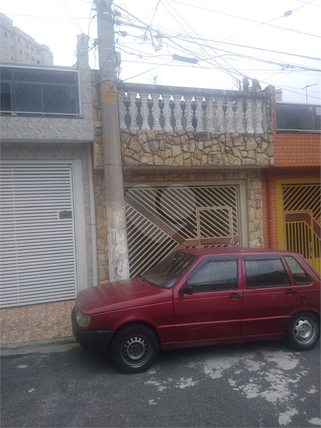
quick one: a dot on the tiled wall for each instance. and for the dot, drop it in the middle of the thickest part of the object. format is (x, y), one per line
(35, 322)
(297, 150)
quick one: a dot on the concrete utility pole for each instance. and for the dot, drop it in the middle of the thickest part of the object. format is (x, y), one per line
(115, 202)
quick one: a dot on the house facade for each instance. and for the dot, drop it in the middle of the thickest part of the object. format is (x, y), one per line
(193, 166)
(293, 184)
(47, 228)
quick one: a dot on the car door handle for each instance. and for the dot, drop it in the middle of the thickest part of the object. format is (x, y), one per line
(235, 296)
(291, 292)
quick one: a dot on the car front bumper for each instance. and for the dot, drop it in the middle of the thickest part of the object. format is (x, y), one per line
(97, 340)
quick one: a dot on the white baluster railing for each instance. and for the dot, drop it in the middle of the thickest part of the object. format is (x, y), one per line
(144, 112)
(178, 115)
(209, 114)
(249, 117)
(189, 115)
(167, 114)
(259, 117)
(225, 111)
(230, 117)
(156, 112)
(133, 111)
(239, 114)
(219, 115)
(199, 114)
(122, 111)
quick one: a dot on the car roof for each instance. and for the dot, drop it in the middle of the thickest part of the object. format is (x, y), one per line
(231, 250)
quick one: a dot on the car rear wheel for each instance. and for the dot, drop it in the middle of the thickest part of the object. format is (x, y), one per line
(303, 331)
(134, 349)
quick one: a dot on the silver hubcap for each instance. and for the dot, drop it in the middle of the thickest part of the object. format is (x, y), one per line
(135, 351)
(304, 330)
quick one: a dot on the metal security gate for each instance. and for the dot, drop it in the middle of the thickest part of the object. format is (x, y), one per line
(301, 214)
(37, 252)
(162, 219)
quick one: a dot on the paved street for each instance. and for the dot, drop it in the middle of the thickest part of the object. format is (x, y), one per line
(249, 385)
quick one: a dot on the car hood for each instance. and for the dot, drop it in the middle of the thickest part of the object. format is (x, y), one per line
(120, 295)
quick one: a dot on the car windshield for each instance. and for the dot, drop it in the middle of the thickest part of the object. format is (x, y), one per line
(170, 270)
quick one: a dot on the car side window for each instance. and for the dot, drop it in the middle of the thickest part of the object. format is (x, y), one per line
(265, 273)
(215, 275)
(300, 277)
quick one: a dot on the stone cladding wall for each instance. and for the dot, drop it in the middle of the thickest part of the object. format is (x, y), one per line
(189, 149)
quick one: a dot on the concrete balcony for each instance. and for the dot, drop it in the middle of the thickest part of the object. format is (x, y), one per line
(46, 104)
(166, 127)
(170, 109)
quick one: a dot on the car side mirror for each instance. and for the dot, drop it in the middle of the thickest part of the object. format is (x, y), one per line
(187, 289)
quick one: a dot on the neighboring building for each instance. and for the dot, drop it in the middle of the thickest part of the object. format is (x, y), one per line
(18, 47)
(47, 226)
(293, 206)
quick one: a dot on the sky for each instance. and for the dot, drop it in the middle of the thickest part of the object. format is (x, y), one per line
(276, 42)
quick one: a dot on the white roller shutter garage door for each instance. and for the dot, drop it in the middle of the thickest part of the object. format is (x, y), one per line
(37, 252)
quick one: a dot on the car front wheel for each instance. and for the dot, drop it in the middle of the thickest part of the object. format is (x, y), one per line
(134, 349)
(303, 331)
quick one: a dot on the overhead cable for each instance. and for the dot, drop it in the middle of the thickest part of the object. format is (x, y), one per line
(248, 19)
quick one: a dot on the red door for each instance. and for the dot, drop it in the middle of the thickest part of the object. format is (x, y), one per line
(214, 309)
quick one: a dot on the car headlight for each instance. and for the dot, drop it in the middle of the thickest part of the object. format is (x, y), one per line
(82, 320)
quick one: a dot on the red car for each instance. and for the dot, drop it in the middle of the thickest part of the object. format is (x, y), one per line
(201, 296)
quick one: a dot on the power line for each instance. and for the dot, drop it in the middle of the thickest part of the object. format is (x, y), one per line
(219, 65)
(285, 14)
(286, 88)
(70, 15)
(269, 61)
(248, 19)
(283, 65)
(178, 35)
(174, 38)
(150, 23)
(43, 17)
(268, 50)
(294, 92)
(147, 71)
(183, 65)
(309, 4)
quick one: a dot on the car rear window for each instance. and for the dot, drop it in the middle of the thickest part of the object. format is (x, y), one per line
(265, 273)
(300, 277)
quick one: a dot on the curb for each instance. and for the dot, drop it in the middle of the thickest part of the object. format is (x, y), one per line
(39, 347)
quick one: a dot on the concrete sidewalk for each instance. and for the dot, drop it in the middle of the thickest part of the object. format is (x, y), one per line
(39, 347)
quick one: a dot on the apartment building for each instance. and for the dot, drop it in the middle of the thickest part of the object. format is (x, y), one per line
(18, 47)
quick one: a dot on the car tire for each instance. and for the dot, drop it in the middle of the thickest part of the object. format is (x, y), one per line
(303, 331)
(134, 349)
